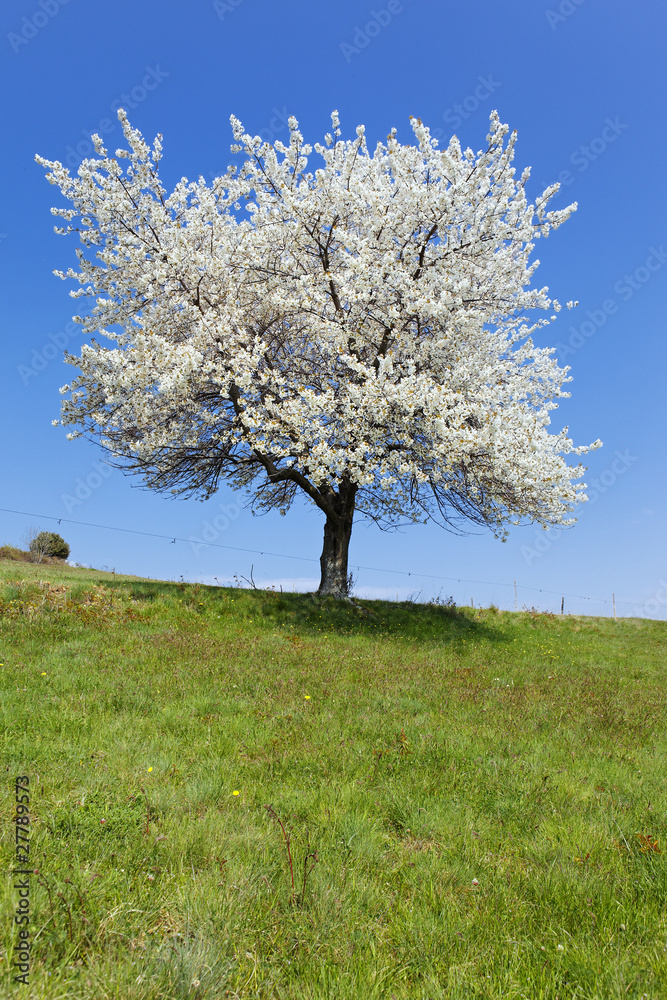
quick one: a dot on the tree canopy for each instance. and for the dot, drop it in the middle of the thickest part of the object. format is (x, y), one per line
(361, 332)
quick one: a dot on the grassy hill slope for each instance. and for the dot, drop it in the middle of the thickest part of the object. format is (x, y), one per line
(247, 794)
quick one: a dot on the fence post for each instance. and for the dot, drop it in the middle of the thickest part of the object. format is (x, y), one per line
(562, 604)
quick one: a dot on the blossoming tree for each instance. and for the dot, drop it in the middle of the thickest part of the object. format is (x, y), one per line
(358, 332)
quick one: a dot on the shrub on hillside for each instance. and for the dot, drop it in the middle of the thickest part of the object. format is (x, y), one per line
(48, 543)
(11, 552)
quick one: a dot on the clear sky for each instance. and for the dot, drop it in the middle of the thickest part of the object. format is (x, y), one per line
(582, 81)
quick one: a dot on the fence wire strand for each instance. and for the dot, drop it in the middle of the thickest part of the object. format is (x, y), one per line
(284, 555)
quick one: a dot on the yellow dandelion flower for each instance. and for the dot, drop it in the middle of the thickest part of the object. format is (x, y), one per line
(236, 793)
(150, 768)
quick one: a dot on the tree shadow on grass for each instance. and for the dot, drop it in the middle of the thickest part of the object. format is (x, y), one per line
(309, 615)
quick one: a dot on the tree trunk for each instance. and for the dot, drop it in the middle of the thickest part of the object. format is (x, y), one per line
(337, 531)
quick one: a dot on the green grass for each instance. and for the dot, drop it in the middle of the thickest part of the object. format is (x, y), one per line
(478, 797)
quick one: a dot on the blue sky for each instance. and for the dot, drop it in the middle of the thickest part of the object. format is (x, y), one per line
(583, 84)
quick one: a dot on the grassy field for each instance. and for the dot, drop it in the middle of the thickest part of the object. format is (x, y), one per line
(238, 793)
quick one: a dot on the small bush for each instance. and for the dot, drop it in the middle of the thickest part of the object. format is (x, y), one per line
(10, 552)
(48, 543)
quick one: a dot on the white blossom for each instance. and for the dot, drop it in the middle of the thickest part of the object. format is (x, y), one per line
(368, 324)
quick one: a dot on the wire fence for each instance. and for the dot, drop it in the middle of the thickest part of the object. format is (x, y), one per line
(609, 602)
